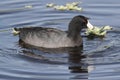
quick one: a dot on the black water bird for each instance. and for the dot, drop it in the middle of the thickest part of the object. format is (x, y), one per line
(55, 38)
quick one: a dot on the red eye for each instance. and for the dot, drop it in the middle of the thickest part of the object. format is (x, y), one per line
(84, 21)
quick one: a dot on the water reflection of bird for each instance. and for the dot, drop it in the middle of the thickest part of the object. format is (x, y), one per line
(73, 58)
(55, 38)
(76, 65)
(75, 61)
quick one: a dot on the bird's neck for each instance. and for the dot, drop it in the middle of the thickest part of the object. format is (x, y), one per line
(73, 32)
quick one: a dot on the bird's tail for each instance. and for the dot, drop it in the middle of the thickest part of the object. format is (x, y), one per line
(16, 31)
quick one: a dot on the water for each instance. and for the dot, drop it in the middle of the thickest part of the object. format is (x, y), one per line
(102, 56)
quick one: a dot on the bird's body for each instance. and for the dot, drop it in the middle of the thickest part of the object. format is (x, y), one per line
(54, 38)
(47, 37)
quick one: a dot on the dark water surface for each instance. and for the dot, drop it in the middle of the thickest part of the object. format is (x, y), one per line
(102, 56)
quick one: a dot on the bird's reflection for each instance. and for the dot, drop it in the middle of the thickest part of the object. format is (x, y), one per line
(74, 58)
(75, 61)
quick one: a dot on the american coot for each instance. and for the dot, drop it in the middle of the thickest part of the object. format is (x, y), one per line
(55, 38)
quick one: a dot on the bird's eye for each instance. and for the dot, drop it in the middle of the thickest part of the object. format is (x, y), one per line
(84, 23)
